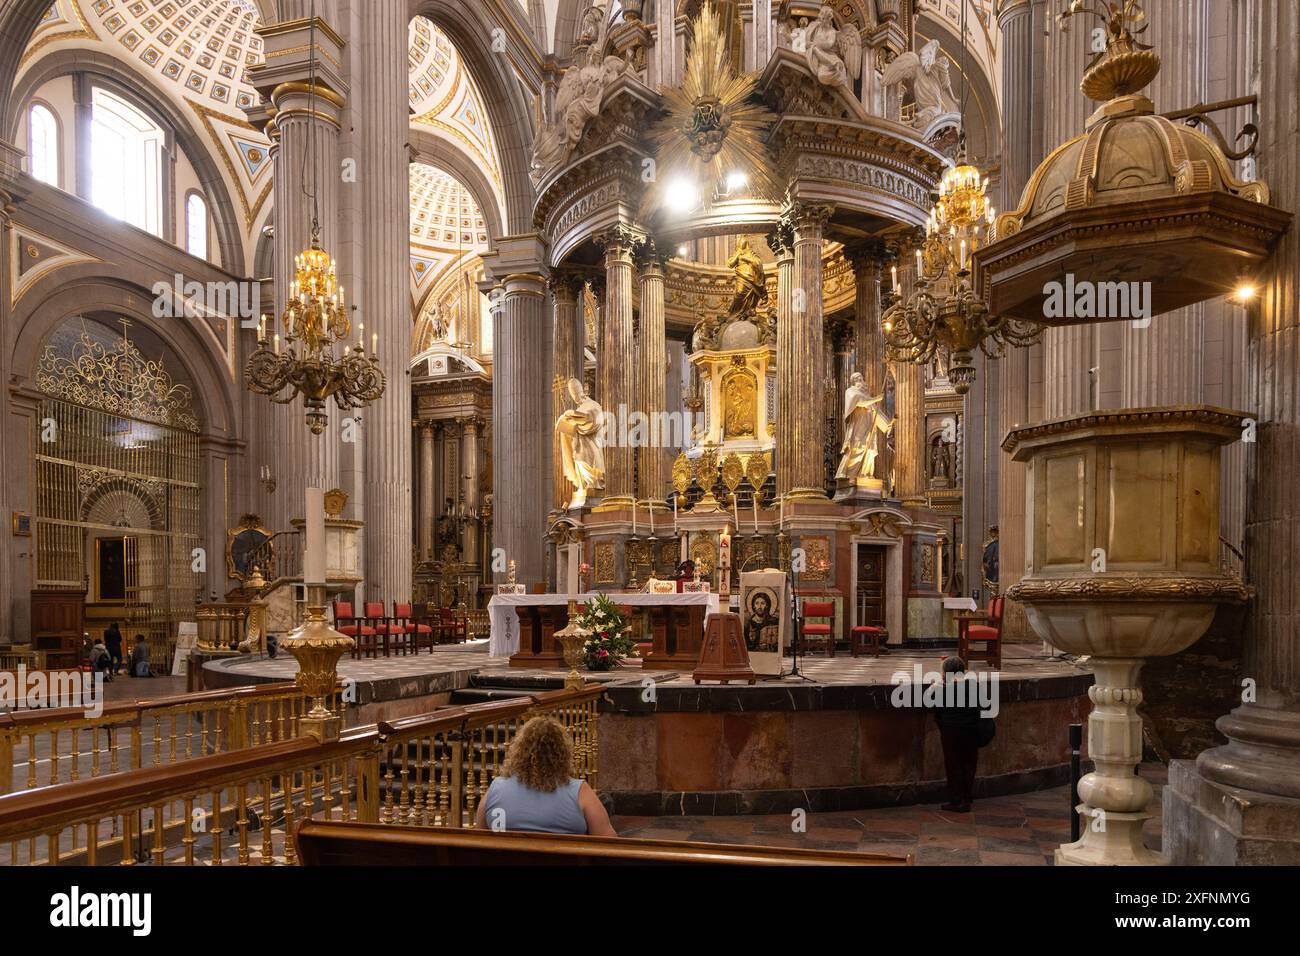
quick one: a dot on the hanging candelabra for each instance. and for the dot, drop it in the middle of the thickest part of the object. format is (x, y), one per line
(944, 311)
(315, 318)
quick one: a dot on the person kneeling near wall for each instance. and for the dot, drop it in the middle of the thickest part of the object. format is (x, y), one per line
(535, 792)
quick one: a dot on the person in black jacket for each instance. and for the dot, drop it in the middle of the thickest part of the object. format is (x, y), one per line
(959, 733)
(113, 641)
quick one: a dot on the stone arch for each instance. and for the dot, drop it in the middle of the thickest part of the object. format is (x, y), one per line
(103, 287)
(446, 155)
(124, 79)
(470, 27)
(18, 21)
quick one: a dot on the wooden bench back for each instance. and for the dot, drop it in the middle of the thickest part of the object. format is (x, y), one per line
(333, 843)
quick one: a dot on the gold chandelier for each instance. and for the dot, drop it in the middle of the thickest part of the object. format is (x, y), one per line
(944, 311)
(316, 317)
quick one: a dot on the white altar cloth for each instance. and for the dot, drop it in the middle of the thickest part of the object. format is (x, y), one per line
(504, 639)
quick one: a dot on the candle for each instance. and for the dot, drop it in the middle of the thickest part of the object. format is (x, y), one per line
(634, 517)
(374, 343)
(650, 506)
(782, 517)
(675, 497)
(961, 263)
(735, 504)
(894, 272)
(754, 502)
(683, 549)
(920, 271)
(313, 559)
(277, 343)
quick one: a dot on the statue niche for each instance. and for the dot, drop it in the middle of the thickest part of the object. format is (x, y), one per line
(733, 360)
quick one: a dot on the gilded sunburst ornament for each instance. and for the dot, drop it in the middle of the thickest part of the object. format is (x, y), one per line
(713, 131)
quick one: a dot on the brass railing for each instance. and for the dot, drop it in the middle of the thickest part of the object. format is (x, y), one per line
(431, 770)
(44, 748)
(12, 660)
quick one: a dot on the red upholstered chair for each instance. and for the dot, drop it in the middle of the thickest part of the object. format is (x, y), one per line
(345, 622)
(867, 637)
(392, 635)
(989, 634)
(823, 633)
(418, 634)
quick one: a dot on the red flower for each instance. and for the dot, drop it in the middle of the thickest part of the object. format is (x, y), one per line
(603, 653)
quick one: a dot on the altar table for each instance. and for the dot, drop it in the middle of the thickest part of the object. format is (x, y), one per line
(676, 625)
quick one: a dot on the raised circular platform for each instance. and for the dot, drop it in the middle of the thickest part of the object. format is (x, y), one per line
(836, 741)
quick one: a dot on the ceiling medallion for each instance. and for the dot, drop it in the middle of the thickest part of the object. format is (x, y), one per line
(711, 142)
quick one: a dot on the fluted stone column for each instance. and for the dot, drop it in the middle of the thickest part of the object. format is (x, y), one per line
(1241, 802)
(869, 342)
(618, 368)
(781, 241)
(801, 413)
(469, 482)
(14, 494)
(566, 297)
(305, 151)
(1025, 76)
(522, 437)
(653, 467)
(379, 121)
(428, 503)
(909, 425)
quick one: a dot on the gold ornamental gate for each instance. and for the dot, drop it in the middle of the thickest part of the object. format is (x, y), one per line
(117, 468)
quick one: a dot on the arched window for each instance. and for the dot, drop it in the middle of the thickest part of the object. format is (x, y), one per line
(196, 226)
(43, 145)
(126, 162)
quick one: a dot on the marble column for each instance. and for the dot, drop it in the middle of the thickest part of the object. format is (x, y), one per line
(14, 493)
(781, 241)
(909, 423)
(618, 370)
(566, 297)
(1240, 803)
(428, 503)
(305, 150)
(868, 341)
(469, 484)
(803, 418)
(1025, 27)
(653, 467)
(522, 437)
(381, 239)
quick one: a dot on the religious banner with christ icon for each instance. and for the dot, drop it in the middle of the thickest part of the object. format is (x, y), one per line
(764, 612)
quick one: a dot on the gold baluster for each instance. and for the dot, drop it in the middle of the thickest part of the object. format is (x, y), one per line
(175, 734)
(54, 757)
(290, 851)
(327, 799)
(95, 750)
(92, 843)
(268, 848)
(214, 827)
(189, 839)
(112, 750)
(76, 756)
(159, 849)
(128, 838)
(387, 815)
(241, 820)
(52, 849)
(444, 776)
(471, 786)
(403, 811)
(157, 741)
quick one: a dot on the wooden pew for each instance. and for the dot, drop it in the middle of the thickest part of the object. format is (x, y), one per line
(334, 843)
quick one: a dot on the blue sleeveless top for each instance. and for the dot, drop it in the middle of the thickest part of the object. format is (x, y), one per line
(512, 806)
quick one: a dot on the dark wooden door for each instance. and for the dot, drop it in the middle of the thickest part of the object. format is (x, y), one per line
(871, 586)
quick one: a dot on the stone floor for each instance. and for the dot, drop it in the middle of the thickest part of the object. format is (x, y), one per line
(1019, 830)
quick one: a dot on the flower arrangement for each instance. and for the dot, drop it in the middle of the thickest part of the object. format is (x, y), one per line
(611, 634)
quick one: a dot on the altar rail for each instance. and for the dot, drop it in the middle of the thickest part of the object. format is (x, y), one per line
(45, 748)
(431, 770)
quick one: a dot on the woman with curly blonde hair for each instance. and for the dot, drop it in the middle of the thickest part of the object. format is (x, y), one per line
(536, 791)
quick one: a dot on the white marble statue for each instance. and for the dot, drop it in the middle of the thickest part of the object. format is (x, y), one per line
(581, 455)
(865, 428)
(834, 55)
(927, 73)
(577, 101)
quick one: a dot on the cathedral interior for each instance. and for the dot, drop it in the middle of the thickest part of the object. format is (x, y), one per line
(708, 376)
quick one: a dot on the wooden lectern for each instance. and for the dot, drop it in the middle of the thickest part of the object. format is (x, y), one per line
(723, 656)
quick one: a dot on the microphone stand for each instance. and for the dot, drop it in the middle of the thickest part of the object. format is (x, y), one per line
(796, 619)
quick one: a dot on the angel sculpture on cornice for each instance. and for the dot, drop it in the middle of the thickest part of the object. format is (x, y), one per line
(927, 72)
(834, 55)
(577, 102)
